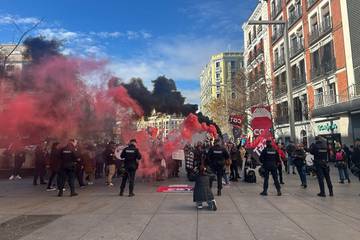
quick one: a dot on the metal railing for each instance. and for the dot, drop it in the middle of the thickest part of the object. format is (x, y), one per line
(280, 91)
(299, 80)
(325, 68)
(279, 62)
(277, 35)
(330, 98)
(281, 120)
(319, 32)
(294, 16)
(296, 48)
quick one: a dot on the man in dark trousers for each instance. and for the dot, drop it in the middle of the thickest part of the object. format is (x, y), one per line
(131, 156)
(40, 163)
(68, 161)
(269, 158)
(319, 150)
(217, 156)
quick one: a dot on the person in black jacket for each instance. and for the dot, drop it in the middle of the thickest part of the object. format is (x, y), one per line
(217, 156)
(54, 165)
(68, 160)
(131, 156)
(110, 162)
(319, 150)
(19, 159)
(299, 156)
(40, 163)
(269, 158)
(202, 191)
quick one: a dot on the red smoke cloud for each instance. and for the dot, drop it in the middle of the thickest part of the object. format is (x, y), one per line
(52, 100)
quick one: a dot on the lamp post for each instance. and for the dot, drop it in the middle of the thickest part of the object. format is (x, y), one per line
(288, 71)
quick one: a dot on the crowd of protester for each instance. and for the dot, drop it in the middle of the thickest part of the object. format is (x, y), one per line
(205, 162)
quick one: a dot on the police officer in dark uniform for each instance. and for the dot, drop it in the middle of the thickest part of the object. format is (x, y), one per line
(68, 161)
(319, 150)
(216, 157)
(131, 156)
(269, 158)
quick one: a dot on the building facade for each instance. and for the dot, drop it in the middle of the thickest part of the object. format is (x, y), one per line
(13, 62)
(217, 81)
(165, 123)
(257, 60)
(324, 59)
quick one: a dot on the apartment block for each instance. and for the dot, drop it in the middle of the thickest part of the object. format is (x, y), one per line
(324, 61)
(217, 81)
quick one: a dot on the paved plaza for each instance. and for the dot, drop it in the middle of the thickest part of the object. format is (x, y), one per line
(28, 213)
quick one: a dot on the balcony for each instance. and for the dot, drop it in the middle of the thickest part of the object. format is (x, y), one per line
(294, 16)
(279, 120)
(280, 91)
(321, 31)
(326, 67)
(259, 30)
(277, 35)
(299, 80)
(275, 11)
(311, 3)
(325, 99)
(279, 62)
(296, 48)
(330, 104)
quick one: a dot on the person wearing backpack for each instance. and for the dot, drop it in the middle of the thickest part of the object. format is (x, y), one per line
(341, 164)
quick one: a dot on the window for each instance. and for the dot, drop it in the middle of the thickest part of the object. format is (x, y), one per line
(233, 95)
(217, 64)
(218, 95)
(314, 23)
(233, 64)
(302, 70)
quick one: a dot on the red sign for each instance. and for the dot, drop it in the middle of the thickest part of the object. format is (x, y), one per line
(175, 188)
(261, 119)
(259, 144)
(236, 120)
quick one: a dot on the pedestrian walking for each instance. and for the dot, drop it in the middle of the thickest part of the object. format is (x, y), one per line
(320, 152)
(110, 162)
(235, 160)
(19, 159)
(269, 158)
(131, 156)
(290, 148)
(68, 160)
(299, 157)
(341, 164)
(40, 163)
(54, 161)
(217, 156)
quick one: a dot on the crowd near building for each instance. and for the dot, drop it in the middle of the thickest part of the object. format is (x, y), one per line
(324, 60)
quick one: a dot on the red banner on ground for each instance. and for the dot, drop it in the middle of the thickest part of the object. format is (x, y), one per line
(175, 188)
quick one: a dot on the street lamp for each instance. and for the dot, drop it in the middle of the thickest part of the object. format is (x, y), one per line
(288, 71)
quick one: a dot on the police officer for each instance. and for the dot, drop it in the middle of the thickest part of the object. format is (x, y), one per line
(131, 156)
(269, 158)
(217, 156)
(68, 161)
(319, 150)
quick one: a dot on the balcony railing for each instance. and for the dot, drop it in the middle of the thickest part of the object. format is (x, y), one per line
(325, 68)
(319, 32)
(281, 120)
(299, 80)
(277, 35)
(259, 30)
(295, 15)
(296, 48)
(275, 11)
(279, 62)
(330, 98)
(280, 91)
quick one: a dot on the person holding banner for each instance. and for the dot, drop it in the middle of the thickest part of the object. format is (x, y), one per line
(269, 158)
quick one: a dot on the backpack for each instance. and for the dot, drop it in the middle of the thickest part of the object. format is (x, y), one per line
(250, 176)
(339, 156)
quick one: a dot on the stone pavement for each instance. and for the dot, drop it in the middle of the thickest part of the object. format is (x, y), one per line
(28, 213)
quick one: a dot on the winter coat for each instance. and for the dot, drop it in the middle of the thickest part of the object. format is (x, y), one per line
(89, 162)
(202, 191)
